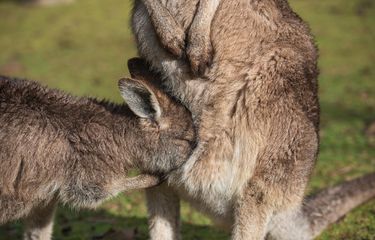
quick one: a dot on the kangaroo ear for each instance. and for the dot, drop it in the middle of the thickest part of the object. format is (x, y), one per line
(140, 98)
(138, 67)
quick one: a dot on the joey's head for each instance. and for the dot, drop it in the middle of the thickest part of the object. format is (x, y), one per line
(166, 124)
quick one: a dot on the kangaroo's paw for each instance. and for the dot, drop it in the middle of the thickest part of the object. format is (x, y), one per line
(169, 32)
(174, 42)
(199, 50)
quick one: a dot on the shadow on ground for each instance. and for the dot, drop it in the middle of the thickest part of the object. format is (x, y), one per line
(101, 225)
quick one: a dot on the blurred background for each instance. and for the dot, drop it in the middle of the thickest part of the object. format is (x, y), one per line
(82, 47)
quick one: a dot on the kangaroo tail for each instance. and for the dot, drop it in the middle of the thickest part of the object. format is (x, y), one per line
(321, 210)
(333, 203)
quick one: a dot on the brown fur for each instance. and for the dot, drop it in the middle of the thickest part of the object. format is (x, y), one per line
(321, 210)
(333, 203)
(171, 29)
(256, 110)
(59, 148)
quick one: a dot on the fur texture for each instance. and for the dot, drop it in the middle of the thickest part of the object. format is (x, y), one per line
(257, 115)
(321, 210)
(77, 151)
(255, 107)
(195, 45)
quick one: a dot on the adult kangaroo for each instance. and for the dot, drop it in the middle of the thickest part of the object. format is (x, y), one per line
(255, 108)
(58, 148)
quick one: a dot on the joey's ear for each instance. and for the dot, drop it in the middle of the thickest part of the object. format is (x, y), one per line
(140, 98)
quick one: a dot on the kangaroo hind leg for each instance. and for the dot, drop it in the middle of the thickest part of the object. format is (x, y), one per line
(39, 224)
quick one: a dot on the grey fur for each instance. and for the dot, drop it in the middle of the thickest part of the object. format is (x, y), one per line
(321, 210)
(256, 110)
(58, 148)
(333, 203)
(171, 29)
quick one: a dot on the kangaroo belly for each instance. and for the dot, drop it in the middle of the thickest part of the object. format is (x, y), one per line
(217, 172)
(220, 210)
(213, 202)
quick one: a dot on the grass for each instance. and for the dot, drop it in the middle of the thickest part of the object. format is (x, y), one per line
(83, 48)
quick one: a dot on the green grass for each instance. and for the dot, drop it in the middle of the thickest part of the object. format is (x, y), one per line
(83, 48)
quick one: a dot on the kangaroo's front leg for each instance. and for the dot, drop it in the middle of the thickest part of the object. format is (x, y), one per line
(39, 224)
(127, 184)
(199, 48)
(252, 214)
(169, 32)
(140, 182)
(164, 213)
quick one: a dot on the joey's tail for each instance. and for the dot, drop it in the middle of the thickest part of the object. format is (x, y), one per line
(332, 203)
(321, 210)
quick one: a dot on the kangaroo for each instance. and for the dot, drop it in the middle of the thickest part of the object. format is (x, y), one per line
(256, 112)
(77, 151)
